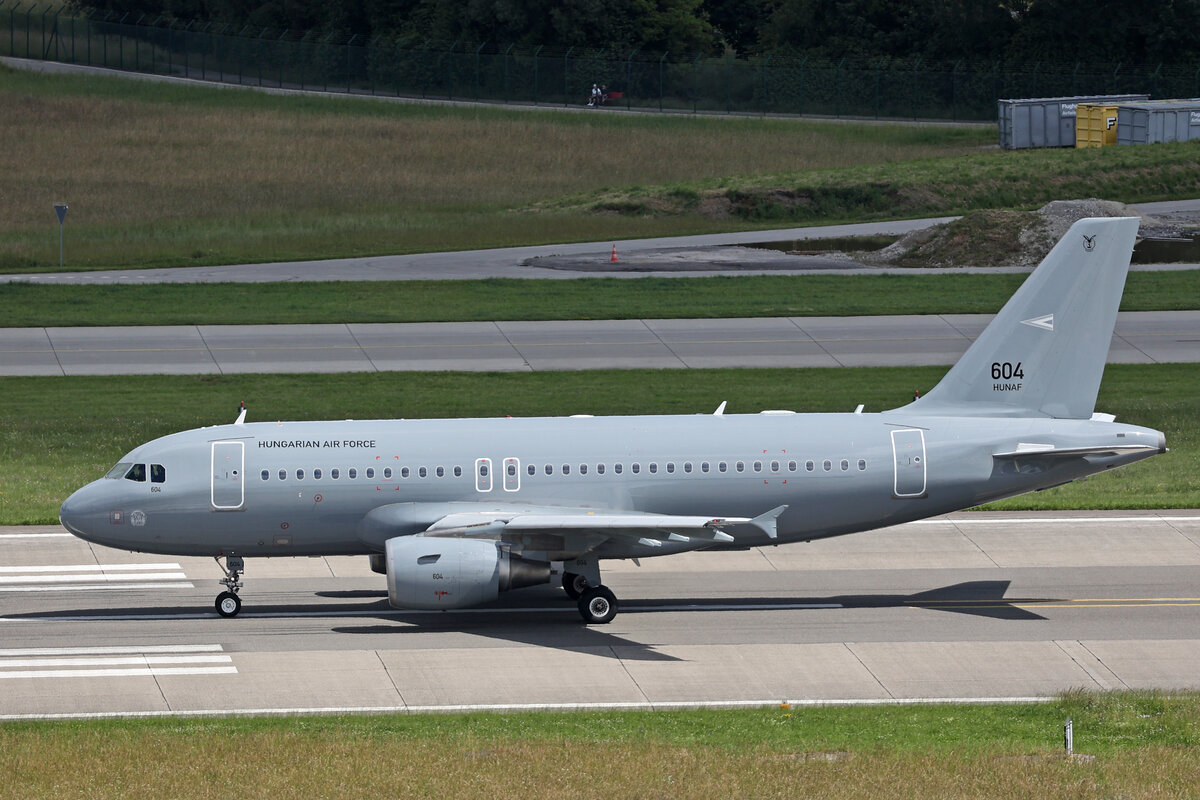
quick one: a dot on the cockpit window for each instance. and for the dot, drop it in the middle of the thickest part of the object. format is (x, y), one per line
(118, 471)
(158, 473)
(136, 473)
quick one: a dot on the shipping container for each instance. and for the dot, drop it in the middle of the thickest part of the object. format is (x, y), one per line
(1047, 121)
(1095, 125)
(1151, 123)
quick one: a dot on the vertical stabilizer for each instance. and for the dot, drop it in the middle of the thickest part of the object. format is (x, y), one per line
(1043, 355)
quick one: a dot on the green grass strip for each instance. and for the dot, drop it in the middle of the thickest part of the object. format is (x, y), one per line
(1144, 744)
(36, 305)
(58, 433)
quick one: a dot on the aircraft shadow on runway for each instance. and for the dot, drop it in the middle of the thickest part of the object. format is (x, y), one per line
(559, 626)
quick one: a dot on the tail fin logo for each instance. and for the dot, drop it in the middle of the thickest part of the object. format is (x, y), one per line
(1046, 323)
(1089, 243)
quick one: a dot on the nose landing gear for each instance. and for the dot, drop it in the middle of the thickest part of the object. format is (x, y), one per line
(228, 603)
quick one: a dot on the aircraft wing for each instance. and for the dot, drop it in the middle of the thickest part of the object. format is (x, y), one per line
(651, 530)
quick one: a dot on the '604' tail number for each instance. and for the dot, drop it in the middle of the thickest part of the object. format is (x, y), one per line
(1006, 370)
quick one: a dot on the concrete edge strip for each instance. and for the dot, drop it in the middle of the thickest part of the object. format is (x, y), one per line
(549, 707)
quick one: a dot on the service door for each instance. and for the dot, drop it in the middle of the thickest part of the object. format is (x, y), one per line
(228, 486)
(908, 448)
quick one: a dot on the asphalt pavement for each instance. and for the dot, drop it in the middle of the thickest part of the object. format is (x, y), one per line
(969, 606)
(1145, 337)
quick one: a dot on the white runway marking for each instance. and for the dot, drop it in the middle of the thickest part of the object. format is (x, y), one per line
(114, 661)
(80, 577)
(513, 707)
(75, 587)
(88, 568)
(35, 535)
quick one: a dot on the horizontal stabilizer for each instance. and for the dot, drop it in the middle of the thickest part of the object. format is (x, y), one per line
(1048, 451)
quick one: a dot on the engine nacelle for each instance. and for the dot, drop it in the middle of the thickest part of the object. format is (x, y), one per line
(428, 572)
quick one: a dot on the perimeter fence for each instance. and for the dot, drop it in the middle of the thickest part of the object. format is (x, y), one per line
(504, 73)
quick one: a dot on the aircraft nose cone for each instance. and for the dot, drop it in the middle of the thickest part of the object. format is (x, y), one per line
(74, 514)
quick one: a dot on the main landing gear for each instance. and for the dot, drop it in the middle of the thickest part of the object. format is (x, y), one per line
(228, 603)
(597, 604)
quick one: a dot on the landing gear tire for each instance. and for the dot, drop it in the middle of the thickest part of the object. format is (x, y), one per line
(597, 605)
(574, 584)
(228, 604)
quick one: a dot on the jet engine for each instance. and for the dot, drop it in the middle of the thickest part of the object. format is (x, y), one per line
(428, 572)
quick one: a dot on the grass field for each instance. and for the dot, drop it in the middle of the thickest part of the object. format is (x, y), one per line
(37, 305)
(1144, 744)
(165, 175)
(58, 433)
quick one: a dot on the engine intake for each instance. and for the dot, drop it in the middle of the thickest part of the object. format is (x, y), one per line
(426, 572)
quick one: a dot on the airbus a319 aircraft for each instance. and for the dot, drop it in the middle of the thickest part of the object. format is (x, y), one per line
(456, 511)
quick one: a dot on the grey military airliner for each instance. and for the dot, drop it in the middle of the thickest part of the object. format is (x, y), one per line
(455, 511)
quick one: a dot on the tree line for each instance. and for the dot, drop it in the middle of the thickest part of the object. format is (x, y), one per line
(1018, 31)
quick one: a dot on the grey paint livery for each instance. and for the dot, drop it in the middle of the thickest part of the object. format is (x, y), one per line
(456, 510)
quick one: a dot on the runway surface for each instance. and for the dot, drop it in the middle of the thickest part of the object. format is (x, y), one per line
(971, 605)
(1140, 337)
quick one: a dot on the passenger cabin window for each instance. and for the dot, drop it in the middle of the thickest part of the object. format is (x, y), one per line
(422, 472)
(845, 465)
(810, 466)
(266, 475)
(617, 468)
(387, 473)
(283, 474)
(404, 472)
(136, 473)
(299, 474)
(158, 473)
(722, 466)
(600, 469)
(335, 473)
(671, 467)
(862, 464)
(531, 469)
(827, 465)
(583, 469)
(653, 467)
(549, 469)
(458, 472)
(370, 472)
(316, 474)
(352, 473)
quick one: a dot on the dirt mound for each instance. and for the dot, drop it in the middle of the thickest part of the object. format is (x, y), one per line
(999, 238)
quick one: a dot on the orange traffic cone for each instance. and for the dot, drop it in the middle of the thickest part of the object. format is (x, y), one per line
(614, 259)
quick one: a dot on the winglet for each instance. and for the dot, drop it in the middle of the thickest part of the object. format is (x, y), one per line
(241, 419)
(766, 522)
(720, 412)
